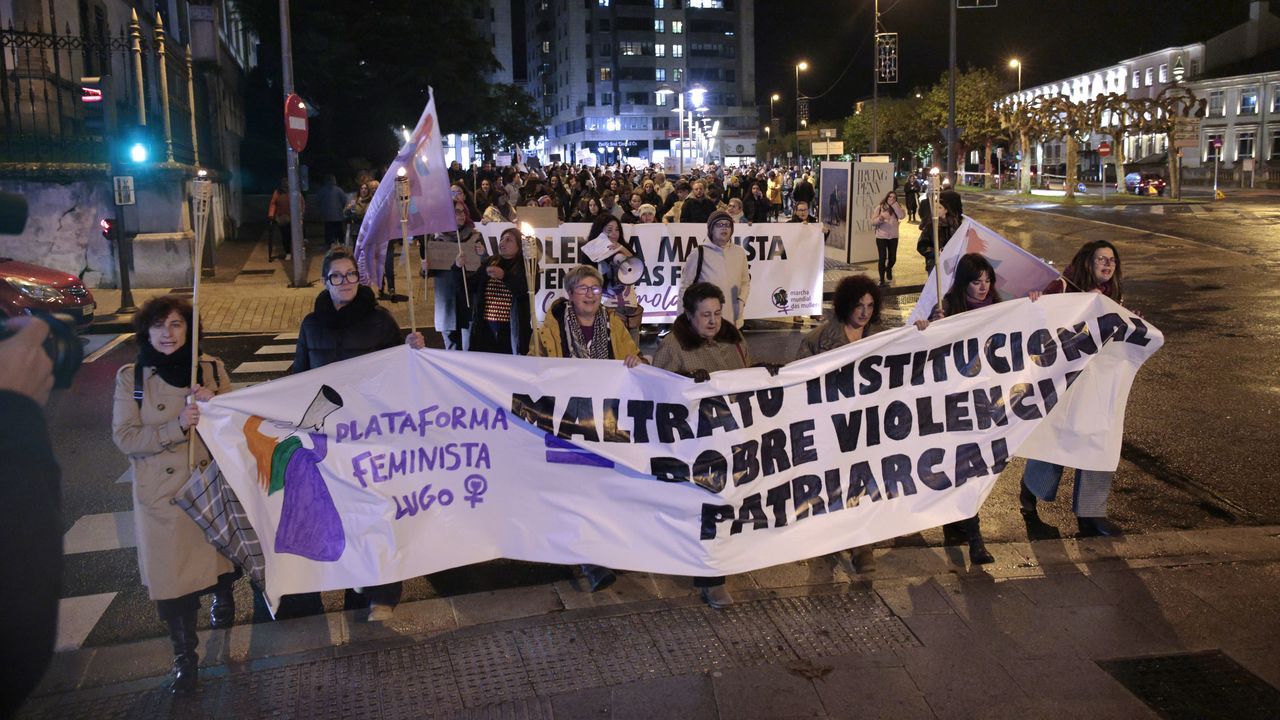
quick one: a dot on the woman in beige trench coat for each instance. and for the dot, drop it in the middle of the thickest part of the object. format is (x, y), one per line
(150, 421)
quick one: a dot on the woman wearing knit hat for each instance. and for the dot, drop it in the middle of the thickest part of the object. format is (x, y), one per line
(721, 262)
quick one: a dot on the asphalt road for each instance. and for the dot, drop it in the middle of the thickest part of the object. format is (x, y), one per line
(1200, 446)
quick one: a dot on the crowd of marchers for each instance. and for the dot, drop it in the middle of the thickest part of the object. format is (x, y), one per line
(154, 406)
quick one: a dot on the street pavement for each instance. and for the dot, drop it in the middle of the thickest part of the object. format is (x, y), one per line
(1199, 458)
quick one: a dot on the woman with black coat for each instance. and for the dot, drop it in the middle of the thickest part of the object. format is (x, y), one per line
(500, 300)
(347, 322)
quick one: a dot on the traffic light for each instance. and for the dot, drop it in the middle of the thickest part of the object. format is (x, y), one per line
(108, 226)
(135, 149)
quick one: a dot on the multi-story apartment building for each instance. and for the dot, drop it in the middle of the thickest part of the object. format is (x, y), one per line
(598, 67)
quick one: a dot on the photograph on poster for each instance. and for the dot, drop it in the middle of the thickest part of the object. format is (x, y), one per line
(833, 203)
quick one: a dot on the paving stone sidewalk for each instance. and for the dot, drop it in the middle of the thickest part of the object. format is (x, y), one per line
(1168, 624)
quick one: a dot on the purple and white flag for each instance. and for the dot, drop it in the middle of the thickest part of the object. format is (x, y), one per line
(430, 205)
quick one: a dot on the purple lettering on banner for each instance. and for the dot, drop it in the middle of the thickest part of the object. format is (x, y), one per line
(563, 452)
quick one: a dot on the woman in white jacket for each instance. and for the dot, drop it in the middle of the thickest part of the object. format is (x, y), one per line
(885, 220)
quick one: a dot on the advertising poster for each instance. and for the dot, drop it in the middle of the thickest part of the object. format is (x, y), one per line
(871, 182)
(833, 207)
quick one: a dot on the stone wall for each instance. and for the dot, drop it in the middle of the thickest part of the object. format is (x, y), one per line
(62, 229)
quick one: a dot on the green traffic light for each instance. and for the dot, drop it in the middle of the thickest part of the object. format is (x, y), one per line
(138, 152)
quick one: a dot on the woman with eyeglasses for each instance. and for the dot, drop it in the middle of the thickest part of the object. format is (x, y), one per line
(1095, 268)
(582, 327)
(347, 322)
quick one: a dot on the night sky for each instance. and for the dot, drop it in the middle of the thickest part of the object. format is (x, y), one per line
(1055, 39)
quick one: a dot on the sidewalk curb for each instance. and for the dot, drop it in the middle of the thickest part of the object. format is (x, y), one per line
(110, 670)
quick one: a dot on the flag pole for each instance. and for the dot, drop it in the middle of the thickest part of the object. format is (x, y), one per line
(201, 191)
(402, 197)
(935, 187)
(466, 294)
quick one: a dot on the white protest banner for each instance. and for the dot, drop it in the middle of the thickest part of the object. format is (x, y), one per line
(403, 463)
(785, 261)
(1018, 272)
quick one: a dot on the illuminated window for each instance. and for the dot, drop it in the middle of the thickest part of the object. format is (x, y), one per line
(606, 74)
(1275, 98)
(659, 50)
(660, 74)
(1164, 72)
(659, 26)
(1137, 78)
(707, 4)
(660, 99)
(1211, 152)
(677, 75)
(1244, 144)
(677, 50)
(1149, 76)
(1249, 102)
(1217, 103)
(677, 26)
(546, 46)
(659, 4)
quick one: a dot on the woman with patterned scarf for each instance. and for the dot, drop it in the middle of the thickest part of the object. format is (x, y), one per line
(583, 328)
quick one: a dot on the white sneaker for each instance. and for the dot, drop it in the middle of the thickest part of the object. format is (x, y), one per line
(717, 597)
(381, 613)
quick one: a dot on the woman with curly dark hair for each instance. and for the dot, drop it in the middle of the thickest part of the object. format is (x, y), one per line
(855, 313)
(974, 287)
(1095, 268)
(152, 421)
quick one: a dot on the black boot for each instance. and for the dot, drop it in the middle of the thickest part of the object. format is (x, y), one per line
(978, 553)
(1027, 501)
(180, 614)
(953, 533)
(222, 611)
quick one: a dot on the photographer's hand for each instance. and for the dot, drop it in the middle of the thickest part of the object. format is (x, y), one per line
(25, 368)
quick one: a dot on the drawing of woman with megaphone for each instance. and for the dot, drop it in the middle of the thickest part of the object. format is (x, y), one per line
(309, 522)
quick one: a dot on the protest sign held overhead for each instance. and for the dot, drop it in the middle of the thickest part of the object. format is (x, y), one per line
(403, 463)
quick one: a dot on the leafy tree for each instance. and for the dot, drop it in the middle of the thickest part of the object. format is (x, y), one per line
(977, 92)
(856, 133)
(365, 66)
(508, 119)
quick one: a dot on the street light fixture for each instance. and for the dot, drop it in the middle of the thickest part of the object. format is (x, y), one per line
(1016, 63)
(802, 65)
(697, 94)
(773, 99)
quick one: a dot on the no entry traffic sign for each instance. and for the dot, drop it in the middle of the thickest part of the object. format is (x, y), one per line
(1104, 148)
(295, 122)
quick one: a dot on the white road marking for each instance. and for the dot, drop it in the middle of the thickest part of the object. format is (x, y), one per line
(287, 336)
(277, 350)
(103, 531)
(106, 347)
(264, 366)
(77, 617)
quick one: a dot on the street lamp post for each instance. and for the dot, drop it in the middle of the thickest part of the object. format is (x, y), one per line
(802, 65)
(772, 99)
(1016, 63)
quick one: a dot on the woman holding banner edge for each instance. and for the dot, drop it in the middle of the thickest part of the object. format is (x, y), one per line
(1095, 268)
(581, 327)
(974, 287)
(855, 315)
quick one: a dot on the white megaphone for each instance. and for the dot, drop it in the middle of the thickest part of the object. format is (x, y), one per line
(325, 402)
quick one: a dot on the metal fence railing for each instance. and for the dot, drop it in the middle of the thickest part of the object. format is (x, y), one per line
(48, 117)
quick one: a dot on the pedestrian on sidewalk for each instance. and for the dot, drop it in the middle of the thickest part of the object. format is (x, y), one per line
(347, 322)
(332, 201)
(974, 287)
(911, 191)
(885, 219)
(1095, 268)
(855, 315)
(153, 418)
(701, 343)
(359, 205)
(280, 221)
(452, 313)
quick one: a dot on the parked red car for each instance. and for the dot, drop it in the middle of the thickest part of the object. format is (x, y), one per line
(26, 287)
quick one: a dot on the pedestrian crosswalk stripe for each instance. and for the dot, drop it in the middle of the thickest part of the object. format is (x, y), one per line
(106, 346)
(77, 617)
(287, 336)
(264, 366)
(98, 532)
(276, 350)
